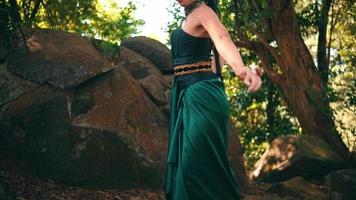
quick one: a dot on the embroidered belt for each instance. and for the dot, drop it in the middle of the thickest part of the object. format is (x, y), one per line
(187, 80)
(192, 68)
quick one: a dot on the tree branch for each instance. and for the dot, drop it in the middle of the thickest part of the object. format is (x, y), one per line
(262, 53)
(334, 21)
(261, 48)
(322, 29)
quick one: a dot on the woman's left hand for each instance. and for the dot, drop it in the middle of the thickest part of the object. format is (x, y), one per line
(252, 80)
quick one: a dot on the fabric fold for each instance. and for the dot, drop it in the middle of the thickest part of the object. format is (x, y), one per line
(197, 162)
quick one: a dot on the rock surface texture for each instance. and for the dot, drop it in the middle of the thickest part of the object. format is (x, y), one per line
(74, 115)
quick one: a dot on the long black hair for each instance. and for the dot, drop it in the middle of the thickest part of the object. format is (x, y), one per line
(213, 4)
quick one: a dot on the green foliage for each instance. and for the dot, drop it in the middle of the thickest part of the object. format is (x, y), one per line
(253, 17)
(64, 15)
(176, 16)
(113, 26)
(262, 116)
(87, 17)
(253, 151)
(343, 38)
(342, 84)
(342, 90)
(109, 49)
(259, 117)
(90, 18)
(249, 16)
(9, 25)
(307, 17)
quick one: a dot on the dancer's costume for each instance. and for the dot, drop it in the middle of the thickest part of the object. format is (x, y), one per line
(197, 164)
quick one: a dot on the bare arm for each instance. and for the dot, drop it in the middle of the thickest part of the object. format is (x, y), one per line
(221, 38)
(222, 60)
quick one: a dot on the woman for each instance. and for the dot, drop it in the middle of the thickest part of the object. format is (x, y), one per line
(197, 163)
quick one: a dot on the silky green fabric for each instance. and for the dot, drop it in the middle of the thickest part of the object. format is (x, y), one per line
(197, 163)
(187, 48)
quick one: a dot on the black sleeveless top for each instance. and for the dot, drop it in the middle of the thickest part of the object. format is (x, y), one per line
(186, 48)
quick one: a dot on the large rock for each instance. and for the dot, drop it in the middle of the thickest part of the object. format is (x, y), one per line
(152, 49)
(5, 192)
(12, 86)
(105, 131)
(342, 184)
(132, 115)
(298, 188)
(3, 54)
(291, 156)
(150, 78)
(95, 125)
(59, 58)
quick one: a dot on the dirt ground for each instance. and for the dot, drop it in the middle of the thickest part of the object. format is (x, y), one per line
(18, 184)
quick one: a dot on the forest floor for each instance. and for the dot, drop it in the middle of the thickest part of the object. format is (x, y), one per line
(18, 184)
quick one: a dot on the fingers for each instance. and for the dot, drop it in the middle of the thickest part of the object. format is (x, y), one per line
(258, 84)
(242, 73)
(252, 86)
(251, 78)
(247, 80)
(255, 83)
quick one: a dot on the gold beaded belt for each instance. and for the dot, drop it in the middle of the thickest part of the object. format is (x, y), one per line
(192, 68)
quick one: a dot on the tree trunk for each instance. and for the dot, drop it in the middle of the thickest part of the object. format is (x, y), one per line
(323, 64)
(301, 84)
(297, 75)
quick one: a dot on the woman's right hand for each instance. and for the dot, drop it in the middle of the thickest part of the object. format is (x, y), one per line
(250, 78)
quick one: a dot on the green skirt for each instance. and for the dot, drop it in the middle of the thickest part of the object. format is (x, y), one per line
(197, 163)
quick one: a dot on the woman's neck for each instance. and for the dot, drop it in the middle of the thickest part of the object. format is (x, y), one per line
(188, 9)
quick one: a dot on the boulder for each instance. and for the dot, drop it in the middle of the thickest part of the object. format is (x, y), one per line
(5, 192)
(298, 188)
(149, 76)
(341, 184)
(105, 131)
(291, 156)
(77, 118)
(3, 54)
(106, 48)
(58, 58)
(152, 49)
(12, 86)
(132, 115)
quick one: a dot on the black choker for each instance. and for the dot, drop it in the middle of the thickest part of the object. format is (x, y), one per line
(192, 6)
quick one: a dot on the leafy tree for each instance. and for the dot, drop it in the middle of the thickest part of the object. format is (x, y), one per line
(86, 17)
(271, 30)
(342, 82)
(176, 16)
(90, 18)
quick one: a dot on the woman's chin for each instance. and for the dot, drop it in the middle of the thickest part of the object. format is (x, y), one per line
(183, 2)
